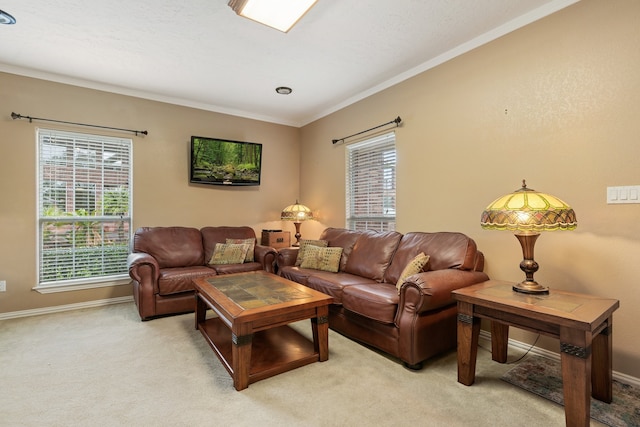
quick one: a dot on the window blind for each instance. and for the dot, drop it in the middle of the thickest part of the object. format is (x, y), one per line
(371, 184)
(84, 207)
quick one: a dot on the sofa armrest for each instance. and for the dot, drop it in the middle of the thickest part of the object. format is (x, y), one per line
(286, 257)
(137, 261)
(430, 290)
(266, 256)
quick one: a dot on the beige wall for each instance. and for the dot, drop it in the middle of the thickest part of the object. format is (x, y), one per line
(162, 194)
(556, 103)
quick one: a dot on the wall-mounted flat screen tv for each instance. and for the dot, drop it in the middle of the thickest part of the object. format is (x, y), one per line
(225, 162)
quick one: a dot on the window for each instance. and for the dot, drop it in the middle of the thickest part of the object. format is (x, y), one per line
(84, 208)
(371, 184)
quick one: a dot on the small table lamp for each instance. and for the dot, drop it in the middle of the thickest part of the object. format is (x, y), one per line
(528, 212)
(296, 213)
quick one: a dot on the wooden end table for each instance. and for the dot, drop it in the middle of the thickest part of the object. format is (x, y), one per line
(250, 334)
(583, 324)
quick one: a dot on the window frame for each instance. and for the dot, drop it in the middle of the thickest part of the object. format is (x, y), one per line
(86, 239)
(378, 158)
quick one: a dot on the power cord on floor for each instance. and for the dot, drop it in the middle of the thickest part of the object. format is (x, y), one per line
(521, 357)
(527, 352)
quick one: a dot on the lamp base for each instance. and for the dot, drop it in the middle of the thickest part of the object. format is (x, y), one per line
(530, 287)
(529, 265)
(298, 235)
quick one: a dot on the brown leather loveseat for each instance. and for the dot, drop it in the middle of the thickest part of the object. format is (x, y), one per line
(412, 323)
(164, 261)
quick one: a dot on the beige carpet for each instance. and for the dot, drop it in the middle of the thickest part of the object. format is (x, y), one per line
(104, 367)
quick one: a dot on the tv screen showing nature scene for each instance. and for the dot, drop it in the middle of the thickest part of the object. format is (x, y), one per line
(225, 162)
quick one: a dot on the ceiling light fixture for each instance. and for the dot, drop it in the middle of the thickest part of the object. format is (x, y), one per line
(6, 18)
(278, 14)
(283, 90)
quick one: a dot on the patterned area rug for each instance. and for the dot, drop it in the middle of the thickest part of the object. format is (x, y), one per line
(542, 376)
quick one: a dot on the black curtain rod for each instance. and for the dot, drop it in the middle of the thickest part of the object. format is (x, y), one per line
(397, 121)
(20, 116)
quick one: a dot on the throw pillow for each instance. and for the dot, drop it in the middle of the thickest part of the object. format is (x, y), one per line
(229, 253)
(415, 266)
(325, 259)
(252, 246)
(304, 243)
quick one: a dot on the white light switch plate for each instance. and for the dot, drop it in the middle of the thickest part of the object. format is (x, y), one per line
(623, 194)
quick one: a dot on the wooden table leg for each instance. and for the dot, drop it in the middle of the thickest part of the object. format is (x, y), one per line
(241, 338)
(601, 364)
(468, 334)
(575, 357)
(201, 310)
(499, 341)
(320, 328)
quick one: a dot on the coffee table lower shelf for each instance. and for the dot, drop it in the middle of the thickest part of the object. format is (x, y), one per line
(273, 351)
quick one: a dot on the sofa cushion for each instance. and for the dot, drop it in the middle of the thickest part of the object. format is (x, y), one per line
(251, 243)
(170, 246)
(415, 266)
(325, 259)
(342, 237)
(179, 279)
(295, 274)
(303, 248)
(377, 301)
(229, 253)
(333, 284)
(446, 250)
(372, 254)
(237, 268)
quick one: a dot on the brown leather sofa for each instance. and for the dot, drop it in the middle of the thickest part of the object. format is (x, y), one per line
(164, 261)
(413, 323)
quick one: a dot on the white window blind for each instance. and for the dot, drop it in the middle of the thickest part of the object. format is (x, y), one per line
(84, 207)
(371, 184)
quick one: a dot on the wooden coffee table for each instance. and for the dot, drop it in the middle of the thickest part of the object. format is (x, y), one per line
(250, 332)
(582, 323)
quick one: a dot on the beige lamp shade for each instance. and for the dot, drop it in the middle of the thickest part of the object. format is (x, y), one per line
(296, 213)
(527, 213)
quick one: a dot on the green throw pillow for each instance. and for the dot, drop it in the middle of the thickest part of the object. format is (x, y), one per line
(250, 242)
(229, 253)
(304, 243)
(415, 266)
(326, 259)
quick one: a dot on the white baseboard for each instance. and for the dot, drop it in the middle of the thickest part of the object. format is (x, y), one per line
(62, 308)
(537, 351)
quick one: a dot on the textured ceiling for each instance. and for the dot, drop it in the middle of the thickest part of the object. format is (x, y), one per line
(199, 53)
